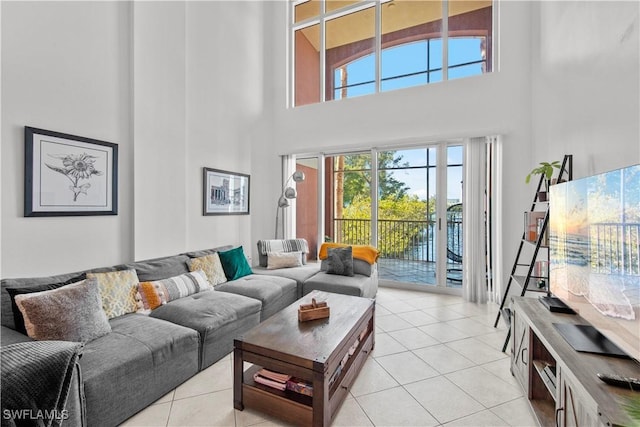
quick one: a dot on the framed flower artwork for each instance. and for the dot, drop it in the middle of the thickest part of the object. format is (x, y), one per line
(68, 175)
(225, 193)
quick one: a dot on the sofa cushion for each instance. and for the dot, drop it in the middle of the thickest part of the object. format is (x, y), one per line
(69, 313)
(276, 260)
(117, 290)
(274, 292)
(340, 261)
(234, 263)
(299, 274)
(159, 268)
(359, 267)
(358, 285)
(141, 360)
(211, 266)
(211, 314)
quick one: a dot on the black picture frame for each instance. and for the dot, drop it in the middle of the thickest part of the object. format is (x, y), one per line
(69, 175)
(224, 192)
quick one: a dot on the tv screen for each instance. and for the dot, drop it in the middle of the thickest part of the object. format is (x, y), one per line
(594, 258)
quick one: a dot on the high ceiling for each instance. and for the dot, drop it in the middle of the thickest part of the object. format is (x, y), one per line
(396, 15)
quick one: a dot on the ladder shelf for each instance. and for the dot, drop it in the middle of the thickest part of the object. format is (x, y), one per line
(532, 280)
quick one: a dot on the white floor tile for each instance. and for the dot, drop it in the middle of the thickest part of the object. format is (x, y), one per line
(471, 326)
(212, 409)
(443, 313)
(154, 415)
(397, 306)
(216, 377)
(418, 318)
(480, 419)
(351, 414)
(413, 338)
(392, 323)
(476, 350)
(443, 399)
(385, 344)
(502, 369)
(516, 412)
(443, 332)
(372, 378)
(443, 359)
(486, 388)
(406, 367)
(395, 407)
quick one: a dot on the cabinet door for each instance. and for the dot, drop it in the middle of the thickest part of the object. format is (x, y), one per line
(575, 407)
(520, 350)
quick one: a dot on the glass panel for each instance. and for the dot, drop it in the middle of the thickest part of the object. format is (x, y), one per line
(350, 58)
(306, 10)
(337, 4)
(404, 65)
(406, 209)
(307, 202)
(350, 200)
(307, 65)
(470, 31)
(454, 216)
(406, 58)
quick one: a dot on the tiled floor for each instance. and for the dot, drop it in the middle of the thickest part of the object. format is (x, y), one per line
(436, 362)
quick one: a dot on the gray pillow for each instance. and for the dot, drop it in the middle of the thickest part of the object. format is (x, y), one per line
(340, 261)
(70, 313)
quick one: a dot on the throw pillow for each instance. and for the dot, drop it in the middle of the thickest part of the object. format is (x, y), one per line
(153, 294)
(118, 291)
(211, 266)
(277, 260)
(18, 320)
(235, 264)
(340, 261)
(69, 313)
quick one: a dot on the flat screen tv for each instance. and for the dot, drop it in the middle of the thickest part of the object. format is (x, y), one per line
(594, 255)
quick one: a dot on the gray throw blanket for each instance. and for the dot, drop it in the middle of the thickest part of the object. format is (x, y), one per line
(36, 377)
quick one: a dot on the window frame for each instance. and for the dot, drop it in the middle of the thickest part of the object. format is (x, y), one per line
(327, 75)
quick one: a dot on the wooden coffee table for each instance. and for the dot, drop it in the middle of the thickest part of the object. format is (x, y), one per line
(316, 351)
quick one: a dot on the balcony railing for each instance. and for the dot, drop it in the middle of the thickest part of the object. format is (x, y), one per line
(401, 239)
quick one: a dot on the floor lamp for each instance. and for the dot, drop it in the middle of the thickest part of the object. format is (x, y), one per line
(287, 194)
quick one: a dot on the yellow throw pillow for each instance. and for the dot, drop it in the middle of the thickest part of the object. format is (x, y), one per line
(118, 291)
(211, 266)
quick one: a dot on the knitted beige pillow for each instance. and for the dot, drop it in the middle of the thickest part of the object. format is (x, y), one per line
(69, 313)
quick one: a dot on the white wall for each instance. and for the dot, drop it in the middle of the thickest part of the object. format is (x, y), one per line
(586, 84)
(176, 85)
(65, 67)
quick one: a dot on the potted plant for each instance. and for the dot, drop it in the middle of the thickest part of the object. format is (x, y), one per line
(546, 169)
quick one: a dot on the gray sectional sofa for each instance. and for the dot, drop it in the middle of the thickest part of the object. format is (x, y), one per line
(146, 356)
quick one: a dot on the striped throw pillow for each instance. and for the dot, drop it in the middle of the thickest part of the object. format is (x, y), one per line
(152, 295)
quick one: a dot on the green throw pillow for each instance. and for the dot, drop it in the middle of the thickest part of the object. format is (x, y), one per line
(234, 263)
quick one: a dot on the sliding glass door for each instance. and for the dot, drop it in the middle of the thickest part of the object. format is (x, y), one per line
(414, 217)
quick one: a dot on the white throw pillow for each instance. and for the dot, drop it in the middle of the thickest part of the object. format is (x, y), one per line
(277, 260)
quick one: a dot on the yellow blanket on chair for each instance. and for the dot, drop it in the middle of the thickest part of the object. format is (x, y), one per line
(364, 252)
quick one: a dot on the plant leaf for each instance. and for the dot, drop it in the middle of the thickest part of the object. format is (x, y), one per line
(57, 169)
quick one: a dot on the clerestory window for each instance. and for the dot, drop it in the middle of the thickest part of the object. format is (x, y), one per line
(342, 49)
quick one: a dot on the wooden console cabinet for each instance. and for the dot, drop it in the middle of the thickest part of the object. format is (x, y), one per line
(561, 383)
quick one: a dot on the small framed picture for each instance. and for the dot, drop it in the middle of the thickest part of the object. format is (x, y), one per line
(225, 193)
(68, 175)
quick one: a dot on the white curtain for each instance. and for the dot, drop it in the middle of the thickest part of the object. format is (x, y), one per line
(474, 231)
(495, 267)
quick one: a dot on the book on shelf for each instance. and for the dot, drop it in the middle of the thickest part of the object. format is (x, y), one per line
(300, 386)
(271, 379)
